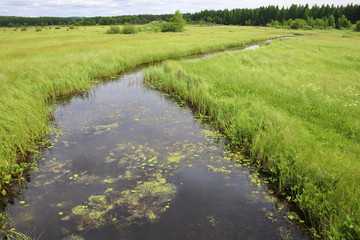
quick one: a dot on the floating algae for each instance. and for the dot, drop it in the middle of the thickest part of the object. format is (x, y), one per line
(143, 203)
(95, 213)
(148, 200)
(105, 128)
(219, 170)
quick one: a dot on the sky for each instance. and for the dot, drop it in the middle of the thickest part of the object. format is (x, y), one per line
(90, 8)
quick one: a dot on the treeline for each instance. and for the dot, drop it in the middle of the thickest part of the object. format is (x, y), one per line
(273, 15)
(11, 21)
(265, 15)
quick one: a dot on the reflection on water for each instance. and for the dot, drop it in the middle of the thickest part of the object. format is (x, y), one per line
(129, 163)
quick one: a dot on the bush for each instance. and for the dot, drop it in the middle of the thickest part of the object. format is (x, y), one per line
(57, 27)
(129, 29)
(113, 30)
(343, 22)
(38, 29)
(357, 28)
(307, 27)
(176, 24)
(71, 27)
(273, 23)
(23, 29)
(298, 23)
(154, 26)
(168, 27)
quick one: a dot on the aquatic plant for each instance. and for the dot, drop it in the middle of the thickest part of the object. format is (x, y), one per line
(146, 202)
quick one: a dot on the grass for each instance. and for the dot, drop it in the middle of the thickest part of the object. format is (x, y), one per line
(37, 67)
(295, 106)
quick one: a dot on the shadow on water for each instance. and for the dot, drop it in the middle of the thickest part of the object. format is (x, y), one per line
(128, 163)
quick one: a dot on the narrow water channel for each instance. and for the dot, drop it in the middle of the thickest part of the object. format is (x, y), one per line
(128, 162)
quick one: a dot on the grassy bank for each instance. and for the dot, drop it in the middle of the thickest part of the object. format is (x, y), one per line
(38, 65)
(295, 106)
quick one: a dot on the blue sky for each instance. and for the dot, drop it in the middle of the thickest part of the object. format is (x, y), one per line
(88, 8)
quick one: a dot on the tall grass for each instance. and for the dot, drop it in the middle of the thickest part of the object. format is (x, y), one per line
(38, 66)
(295, 106)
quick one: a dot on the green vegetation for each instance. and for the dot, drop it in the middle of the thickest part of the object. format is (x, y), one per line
(176, 24)
(129, 29)
(39, 66)
(113, 30)
(357, 26)
(294, 106)
(257, 17)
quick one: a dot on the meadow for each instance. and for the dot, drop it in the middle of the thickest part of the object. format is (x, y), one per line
(39, 65)
(294, 107)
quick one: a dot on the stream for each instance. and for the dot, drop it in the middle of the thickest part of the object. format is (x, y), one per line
(129, 162)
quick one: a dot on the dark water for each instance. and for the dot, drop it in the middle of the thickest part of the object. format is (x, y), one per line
(129, 163)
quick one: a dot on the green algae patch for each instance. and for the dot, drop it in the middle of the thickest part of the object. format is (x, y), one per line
(218, 170)
(143, 203)
(95, 214)
(106, 128)
(175, 157)
(148, 200)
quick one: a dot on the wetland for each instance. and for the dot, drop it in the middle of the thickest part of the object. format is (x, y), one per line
(129, 162)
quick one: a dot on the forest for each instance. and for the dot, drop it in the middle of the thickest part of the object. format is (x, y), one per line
(316, 16)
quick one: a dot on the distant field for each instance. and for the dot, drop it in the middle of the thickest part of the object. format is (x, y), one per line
(295, 106)
(38, 65)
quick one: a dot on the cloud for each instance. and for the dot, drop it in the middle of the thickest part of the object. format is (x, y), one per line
(88, 8)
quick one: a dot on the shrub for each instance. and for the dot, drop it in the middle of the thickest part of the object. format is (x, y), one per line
(57, 27)
(168, 27)
(154, 26)
(307, 27)
(357, 28)
(298, 23)
(129, 29)
(23, 29)
(176, 24)
(273, 23)
(343, 22)
(178, 21)
(38, 29)
(71, 27)
(113, 30)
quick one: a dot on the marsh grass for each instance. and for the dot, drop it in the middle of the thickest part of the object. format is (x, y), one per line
(295, 106)
(37, 67)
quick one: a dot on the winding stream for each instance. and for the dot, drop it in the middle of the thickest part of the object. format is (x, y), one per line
(128, 162)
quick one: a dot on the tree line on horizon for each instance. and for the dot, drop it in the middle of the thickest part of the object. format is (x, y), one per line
(295, 15)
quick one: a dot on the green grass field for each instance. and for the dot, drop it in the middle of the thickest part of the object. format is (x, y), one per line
(295, 106)
(37, 66)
